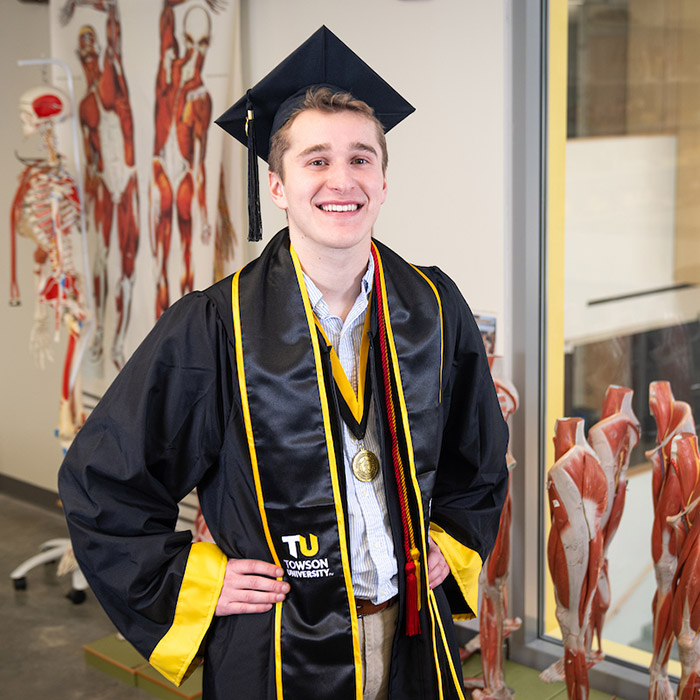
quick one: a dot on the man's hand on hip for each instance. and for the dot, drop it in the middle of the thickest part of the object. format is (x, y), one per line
(250, 586)
(437, 565)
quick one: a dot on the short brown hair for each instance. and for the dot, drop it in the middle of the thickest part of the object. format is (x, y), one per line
(323, 99)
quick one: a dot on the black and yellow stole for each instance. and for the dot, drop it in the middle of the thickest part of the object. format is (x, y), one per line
(297, 466)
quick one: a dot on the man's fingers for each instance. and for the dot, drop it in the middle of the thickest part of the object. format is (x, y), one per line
(255, 589)
(254, 566)
(250, 586)
(438, 568)
(248, 575)
(240, 609)
(242, 597)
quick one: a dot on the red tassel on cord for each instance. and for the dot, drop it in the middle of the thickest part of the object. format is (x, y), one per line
(412, 619)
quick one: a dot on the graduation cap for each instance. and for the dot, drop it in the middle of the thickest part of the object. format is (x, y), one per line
(322, 60)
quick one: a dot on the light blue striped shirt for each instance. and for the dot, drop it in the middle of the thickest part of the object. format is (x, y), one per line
(374, 568)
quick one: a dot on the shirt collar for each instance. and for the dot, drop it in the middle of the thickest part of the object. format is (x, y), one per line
(319, 306)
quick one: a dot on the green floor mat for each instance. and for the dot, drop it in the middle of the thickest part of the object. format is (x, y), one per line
(525, 682)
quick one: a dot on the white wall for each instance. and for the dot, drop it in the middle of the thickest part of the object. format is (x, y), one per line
(447, 196)
(620, 222)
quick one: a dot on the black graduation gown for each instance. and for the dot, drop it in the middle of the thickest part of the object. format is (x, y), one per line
(230, 394)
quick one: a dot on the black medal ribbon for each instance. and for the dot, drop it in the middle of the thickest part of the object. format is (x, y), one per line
(357, 428)
(354, 407)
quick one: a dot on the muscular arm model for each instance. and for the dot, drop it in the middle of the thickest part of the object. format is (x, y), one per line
(494, 625)
(612, 438)
(685, 612)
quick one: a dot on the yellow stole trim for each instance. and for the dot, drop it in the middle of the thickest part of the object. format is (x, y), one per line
(465, 565)
(240, 366)
(196, 603)
(334, 472)
(436, 657)
(435, 615)
(355, 402)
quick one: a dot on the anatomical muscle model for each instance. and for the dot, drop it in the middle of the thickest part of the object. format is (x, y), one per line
(685, 612)
(612, 438)
(671, 494)
(46, 209)
(578, 498)
(111, 183)
(182, 119)
(494, 625)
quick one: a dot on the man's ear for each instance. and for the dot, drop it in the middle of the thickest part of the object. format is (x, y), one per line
(277, 190)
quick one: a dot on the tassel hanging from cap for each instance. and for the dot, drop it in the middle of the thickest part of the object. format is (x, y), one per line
(254, 217)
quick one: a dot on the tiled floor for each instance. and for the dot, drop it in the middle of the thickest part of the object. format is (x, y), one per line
(41, 632)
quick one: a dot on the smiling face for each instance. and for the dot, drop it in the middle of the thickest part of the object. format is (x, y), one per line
(333, 185)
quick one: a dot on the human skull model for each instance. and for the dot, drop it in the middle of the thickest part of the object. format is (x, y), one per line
(40, 105)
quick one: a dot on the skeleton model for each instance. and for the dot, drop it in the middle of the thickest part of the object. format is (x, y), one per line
(670, 494)
(494, 625)
(578, 498)
(182, 117)
(685, 612)
(111, 185)
(613, 438)
(46, 209)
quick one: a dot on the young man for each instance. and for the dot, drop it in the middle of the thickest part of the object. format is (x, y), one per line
(334, 408)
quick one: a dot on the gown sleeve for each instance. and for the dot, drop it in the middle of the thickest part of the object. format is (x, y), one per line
(147, 444)
(472, 477)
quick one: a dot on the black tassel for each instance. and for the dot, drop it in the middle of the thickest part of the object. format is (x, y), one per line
(254, 217)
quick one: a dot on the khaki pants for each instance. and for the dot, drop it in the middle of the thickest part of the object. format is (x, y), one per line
(376, 637)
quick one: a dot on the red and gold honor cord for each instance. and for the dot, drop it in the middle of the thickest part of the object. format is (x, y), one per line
(412, 553)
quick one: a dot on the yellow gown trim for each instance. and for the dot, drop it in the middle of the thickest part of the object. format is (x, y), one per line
(465, 565)
(196, 603)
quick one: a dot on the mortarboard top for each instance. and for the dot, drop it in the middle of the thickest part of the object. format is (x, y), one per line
(322, 59)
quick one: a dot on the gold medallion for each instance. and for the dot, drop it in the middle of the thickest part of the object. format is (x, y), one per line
(365, 465)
